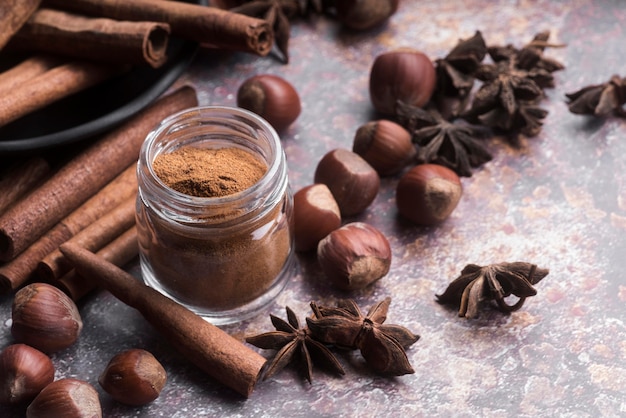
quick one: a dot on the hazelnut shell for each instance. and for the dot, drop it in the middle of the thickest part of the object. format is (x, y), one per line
(133, 377)
(354, 256)
(365, 14)
(352, 181)
(316, 214)
(67, 398)
(385, 145)
(45, 318)
(428, 193)
(404, 74)
(271, 97)
(24, 372)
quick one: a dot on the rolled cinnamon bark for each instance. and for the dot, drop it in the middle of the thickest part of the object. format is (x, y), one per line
(120, 252)
(214, 351)
(207, 25)
(95, 39)
(93, 238)
(84, 175)
(26, 70)
(51, 86)
(19, 270)
(13, 15)
(20, 179)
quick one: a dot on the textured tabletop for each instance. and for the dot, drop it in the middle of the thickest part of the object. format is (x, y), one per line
(557, 200)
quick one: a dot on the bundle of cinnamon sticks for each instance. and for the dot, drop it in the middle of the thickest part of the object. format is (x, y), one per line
(76, 44)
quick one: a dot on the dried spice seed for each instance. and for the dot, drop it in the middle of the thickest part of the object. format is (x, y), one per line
(493, 282)
(600, 99)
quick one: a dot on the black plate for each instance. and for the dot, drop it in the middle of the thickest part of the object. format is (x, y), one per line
(98, 109)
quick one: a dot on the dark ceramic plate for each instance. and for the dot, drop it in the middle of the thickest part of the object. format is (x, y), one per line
(98, 109)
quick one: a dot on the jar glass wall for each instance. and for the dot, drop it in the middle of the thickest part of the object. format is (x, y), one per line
(224, 258)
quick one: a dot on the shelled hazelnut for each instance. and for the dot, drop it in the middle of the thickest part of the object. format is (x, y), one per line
(315, 215)
(66, 398)
(352, 181)
(354, 256)
(271, 97)
(45, 318)
(428, 193)
(403, 74)
(365, 14)
(133, 377)
(24, 372)
(385, 145)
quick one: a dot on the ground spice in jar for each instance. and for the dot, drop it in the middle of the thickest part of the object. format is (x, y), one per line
(205, 172)
(226, 257)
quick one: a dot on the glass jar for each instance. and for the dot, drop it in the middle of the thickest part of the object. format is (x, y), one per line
(224, 258)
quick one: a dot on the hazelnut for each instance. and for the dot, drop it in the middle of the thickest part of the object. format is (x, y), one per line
(365, 14)
(271, 97)
(24, 372)
(385, 145)
(45, 318)
(428, 193)
(352, 181)
(404, 74)
(354, 256)
(66, 398)
(316, 214)
(133, 377)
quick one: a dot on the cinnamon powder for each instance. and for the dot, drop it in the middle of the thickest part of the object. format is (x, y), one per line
(204, 172)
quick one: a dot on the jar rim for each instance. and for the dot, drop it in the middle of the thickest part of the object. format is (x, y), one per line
(275, 159)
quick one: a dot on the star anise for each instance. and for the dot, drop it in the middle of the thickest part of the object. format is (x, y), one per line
(493, 282)
(455, 72)
(291, 341)
(600, 99)
(382, 346)
(278, 13)
(456, 145)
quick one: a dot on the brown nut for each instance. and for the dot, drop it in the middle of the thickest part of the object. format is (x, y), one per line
(428, 193)
(45, 318)
(133, 377)
(315, 215)
(354, 256)
(365, 14)
(24, 372)
(385, 145)
(352, 181)
(404, 74)
(271, 97)
(66, 398)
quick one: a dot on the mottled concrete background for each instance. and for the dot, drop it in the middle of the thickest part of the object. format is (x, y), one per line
(559, 200)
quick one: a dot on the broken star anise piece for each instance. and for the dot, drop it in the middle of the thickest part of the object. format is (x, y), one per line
(457, 146)
(382, 346)
(600, 99)
(455, 72)
(291, 341)
(493, 282)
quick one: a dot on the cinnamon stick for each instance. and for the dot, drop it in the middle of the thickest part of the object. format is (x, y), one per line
(95, 39)
(51, 86)
(21, 178)
(83, 176)
(94, 237)
(210, 26)
(27, 69)
(19, 270)
(13, 14)
(208, 347)
(120, 251)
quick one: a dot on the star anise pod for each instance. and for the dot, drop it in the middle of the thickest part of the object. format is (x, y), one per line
(292, 341)
(456, 145)
(493, 282)
(382, 346)
(455, 72)
(600, 99)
